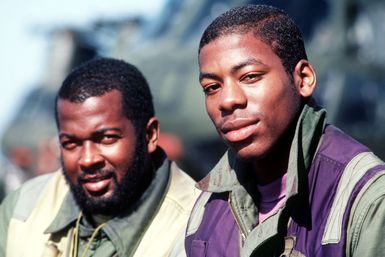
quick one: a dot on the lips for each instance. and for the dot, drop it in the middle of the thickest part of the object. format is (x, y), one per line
(238, 129)
(96, 184)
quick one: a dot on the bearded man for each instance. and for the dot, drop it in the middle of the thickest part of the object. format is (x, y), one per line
(117, 193)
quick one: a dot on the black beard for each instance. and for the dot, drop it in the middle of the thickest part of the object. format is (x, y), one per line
(134, 183)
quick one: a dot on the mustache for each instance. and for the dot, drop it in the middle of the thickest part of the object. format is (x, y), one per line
(96, 174)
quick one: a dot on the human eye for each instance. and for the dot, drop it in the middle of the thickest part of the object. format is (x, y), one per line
(108, 139)
(210, 88)
(251, 77)
(69, 144)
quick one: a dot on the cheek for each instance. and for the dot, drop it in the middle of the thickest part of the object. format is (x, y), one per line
(70, 167)
(285, 113)
(280, 98)
(291, 103)
(69, 162)
(120, 157)
(212, 111)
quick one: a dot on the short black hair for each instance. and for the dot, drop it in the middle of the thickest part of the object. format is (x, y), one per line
(102, 75)
(269, 24)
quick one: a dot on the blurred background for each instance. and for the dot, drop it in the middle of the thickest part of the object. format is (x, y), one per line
(43, 40)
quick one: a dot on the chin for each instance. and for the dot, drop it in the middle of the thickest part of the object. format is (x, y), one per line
(247, 157)
(249, 153)
(102, 196)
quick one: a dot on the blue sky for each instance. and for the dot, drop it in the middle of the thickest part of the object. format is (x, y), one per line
(23, 45)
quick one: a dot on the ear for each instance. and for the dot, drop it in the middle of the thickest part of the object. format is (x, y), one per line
(304, 78)
(152, 134)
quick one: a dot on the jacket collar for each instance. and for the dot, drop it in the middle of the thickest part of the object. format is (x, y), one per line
(310, 126)
(127, 231)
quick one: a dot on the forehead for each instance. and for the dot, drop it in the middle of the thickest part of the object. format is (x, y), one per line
(93, 112)
(237, 46)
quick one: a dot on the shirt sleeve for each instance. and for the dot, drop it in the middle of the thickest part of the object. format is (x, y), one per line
(366, 231)
(6, 210)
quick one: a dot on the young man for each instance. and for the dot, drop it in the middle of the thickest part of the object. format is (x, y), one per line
(117, 194)
(290, 184)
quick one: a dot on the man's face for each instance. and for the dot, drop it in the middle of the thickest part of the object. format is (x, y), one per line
(249, 96)
(102, 156)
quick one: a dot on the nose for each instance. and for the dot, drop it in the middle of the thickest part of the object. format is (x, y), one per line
(90, 156)
(232, 97)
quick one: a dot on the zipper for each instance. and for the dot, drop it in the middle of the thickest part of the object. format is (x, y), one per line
(241, 229)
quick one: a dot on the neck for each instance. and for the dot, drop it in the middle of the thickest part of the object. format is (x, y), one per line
(100, 219)
(274, 164)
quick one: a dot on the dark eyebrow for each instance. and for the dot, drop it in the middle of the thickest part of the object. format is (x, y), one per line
(248, 62)
(70, 136)
(96, 133)
(251, 61)
(103, 130)
(204, 75)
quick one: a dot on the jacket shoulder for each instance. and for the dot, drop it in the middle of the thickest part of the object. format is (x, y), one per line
(36, 204)
(338, 146)
(171, 218)
(357, 177)
(182, 190)
(28, 195)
